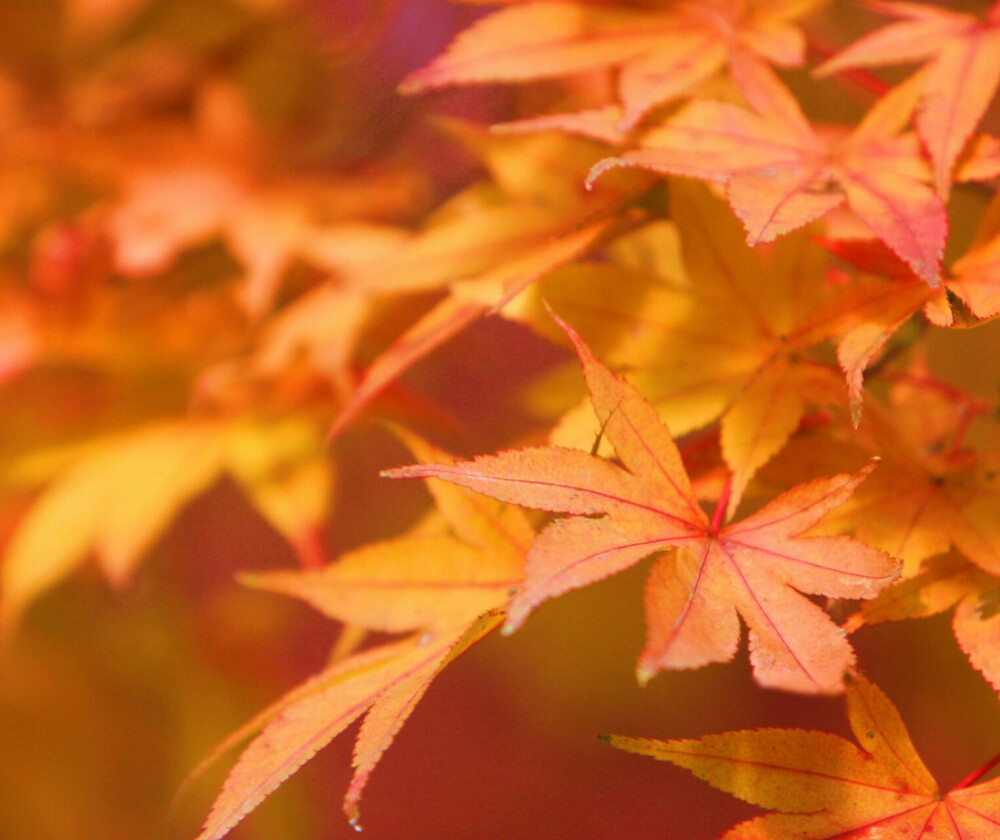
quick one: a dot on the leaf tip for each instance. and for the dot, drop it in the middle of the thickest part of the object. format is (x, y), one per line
(604, 737)
(857, 409)
(411, 471)
(851, 624)
(599, 168)
(249, 579)
(866, 470)
(353, 816)
(582, 350)
(415, 82)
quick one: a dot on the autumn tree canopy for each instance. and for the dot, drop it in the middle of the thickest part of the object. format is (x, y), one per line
(705, 287)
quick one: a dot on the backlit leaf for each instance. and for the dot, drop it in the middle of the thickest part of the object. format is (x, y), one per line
(963, 70)
(825, 787)
(946, 582)
(660, 55)
(385, 682)
(648, 506)
(780, 173)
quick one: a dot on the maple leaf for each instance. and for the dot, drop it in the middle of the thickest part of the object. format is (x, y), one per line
(930, 493)
(969, 296)
(384, 684)
(754, 318)
(603, 124)
(319, 329)
(946, 582)
(441, 323)
(169, 208)
(487, 244)
(781, 174)
(485, 287)
(975, 278)
(173, 195)
(449, 580)
(431, 579)
(688, 288)
(963, 70)
(661, 55)
(115, 496)
(871, 311)
(826, 787)
(710, 573)
(980, 161)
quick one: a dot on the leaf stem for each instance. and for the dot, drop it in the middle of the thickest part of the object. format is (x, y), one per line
(971, 412)
(977, 773)
(721, 505)
(310, 550)
(864, 79)
(852, 622)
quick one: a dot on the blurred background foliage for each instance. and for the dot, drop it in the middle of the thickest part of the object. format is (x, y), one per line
(109, 697)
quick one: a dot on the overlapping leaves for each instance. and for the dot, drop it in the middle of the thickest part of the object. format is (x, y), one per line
(660, 54)
(446, 583)
(780, 173)
(709, 572)
(757, 321)
(962, 56)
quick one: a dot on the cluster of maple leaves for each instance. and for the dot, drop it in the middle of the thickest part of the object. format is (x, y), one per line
(755, 407)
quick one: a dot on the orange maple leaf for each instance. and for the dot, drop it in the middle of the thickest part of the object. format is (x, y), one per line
(710, 573)
(930, 493)
(947, 581)
(113, 497)
(969, 296)
(752, 317)
(963, 70)
(455, 568)
(780, 173)
(920, 507)
(386, 683)
(975, 278)
(661, 54)
(871, 310)
(488, 243)
(825, 787)
(448, 581)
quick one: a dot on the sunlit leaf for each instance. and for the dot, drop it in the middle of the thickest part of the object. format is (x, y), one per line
(824, 787)
(711, 572)
(780, 173)
(963, 70)
(660, 55)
